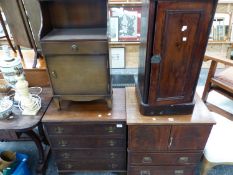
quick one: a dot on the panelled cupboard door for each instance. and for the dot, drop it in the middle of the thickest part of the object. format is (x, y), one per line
(180, 38)
(188, 137)
(148, 138)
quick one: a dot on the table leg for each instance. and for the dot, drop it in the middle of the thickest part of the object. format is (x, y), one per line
(41, 152)
(42, 134)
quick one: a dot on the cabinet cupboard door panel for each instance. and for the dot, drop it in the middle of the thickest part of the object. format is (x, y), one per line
(181, 34)
(145, 138)
(189, 137)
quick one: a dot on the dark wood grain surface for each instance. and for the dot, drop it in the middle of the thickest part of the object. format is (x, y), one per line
(23, 123)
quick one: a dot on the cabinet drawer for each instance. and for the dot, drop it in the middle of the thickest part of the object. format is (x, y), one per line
(164, 158)
(76, 47)
(92, 164)
(87, 142)
(161, 170)
(74, 154)
(86, 129)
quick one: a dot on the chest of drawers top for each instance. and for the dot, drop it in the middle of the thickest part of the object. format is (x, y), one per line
(85, 112)
(200, 115)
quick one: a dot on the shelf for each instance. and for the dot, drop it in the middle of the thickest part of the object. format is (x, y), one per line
(125, 43)
(125, 3)
(76, 34)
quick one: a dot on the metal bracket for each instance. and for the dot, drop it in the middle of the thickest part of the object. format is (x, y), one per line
(156, 59)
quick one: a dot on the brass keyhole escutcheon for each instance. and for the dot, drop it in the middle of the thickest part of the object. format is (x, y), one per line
(54, 74)
(59, 130)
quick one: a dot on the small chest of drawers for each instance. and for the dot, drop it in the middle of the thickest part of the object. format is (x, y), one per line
(88, 136)
(165, 145)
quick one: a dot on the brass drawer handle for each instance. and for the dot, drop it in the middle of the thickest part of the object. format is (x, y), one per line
(113, 165)
(144, 172)
(111, 143)
(74, 47)
(110, 129)
(179, 172)
(112, 155)
(147, 160)
(66, 155)
(68, 166)
(63, 143)
(59, 130)
(183, 159)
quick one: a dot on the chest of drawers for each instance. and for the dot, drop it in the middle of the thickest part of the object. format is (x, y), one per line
(167, 145)
(88, 136)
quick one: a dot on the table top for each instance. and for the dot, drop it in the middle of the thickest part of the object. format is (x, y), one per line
(200, 113)
(21, 123)
(94, 111)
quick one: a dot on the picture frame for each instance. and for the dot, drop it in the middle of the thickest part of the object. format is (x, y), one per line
(114, 28)
(129, 19)
(117, 57)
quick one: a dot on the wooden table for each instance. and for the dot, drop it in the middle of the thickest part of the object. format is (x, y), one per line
(12, 128)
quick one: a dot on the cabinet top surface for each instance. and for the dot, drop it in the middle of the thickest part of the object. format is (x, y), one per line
(200, 113)
(88, 111)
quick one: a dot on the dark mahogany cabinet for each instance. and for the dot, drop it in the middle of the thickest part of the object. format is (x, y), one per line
(174, 39)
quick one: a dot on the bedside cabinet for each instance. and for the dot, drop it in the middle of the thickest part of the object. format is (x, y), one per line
(88, 136)
(165, 145)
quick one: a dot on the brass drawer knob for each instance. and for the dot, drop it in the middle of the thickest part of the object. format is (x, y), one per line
(66, 155)
(68, 166)
(63, 143)
(59, 130)
(145, 172)
(74, 47)
(179, 172)
(113, 165)
(146, 160)
(183, 159)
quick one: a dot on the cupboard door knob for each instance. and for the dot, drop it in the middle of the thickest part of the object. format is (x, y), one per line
(74, 47)
(147, 160)
(155, 59)
(179, 172)
(170, 143)
(66, 155)
(54, 74)
(63, 143)
(144, 172)
(59, 130)
(183, 159)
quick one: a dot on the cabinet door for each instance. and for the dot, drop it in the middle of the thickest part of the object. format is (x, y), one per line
(148, 138)
(180, 38)
(81, 74)
(189, 137)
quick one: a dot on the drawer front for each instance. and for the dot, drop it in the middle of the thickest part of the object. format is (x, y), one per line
(87, 142)
(76, 154)
(161, 170)
(86, 129)
(148, 138)
(164, 158)
(76, 47)
(92, 164)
